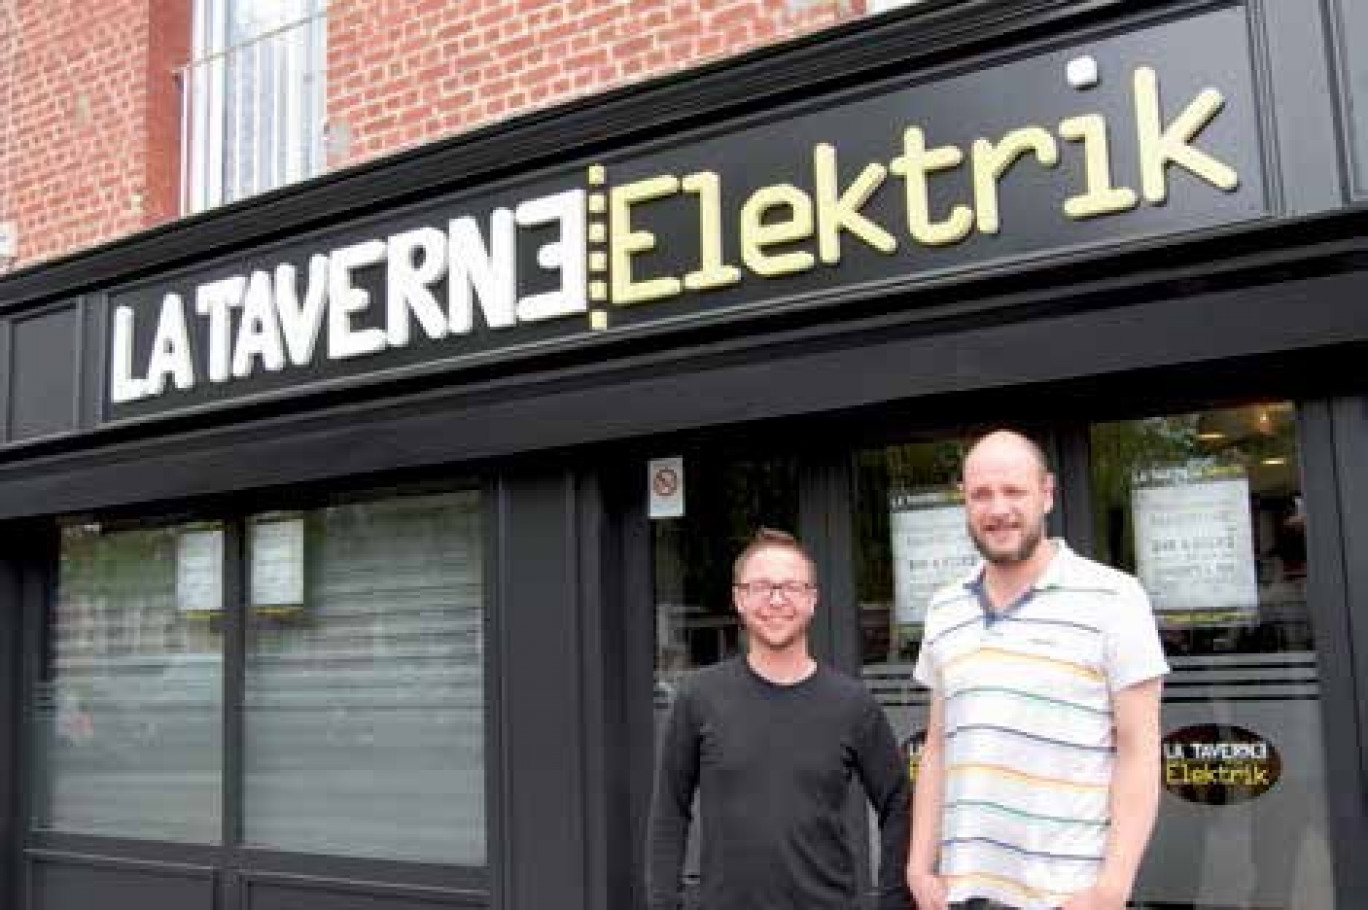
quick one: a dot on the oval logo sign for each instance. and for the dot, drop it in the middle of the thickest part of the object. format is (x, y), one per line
(1219, 764)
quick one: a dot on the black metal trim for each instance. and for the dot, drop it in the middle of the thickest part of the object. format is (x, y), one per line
(1074, 496)
(233, 706)
(1338, 51)
(6, 378)
(167, 868)
(444, 896)
(95, 364)
(636, 678)
(1261, 66)
(496, 834)
(1334, 440)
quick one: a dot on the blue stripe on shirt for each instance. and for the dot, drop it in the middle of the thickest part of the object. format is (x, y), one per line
(1066, 857)
(1024, 734)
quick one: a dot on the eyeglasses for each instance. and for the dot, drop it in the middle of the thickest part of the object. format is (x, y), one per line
(764, 590)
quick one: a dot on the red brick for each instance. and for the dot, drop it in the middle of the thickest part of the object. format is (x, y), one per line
(93, 114)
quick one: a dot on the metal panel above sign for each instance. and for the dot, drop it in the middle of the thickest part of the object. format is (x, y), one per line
(1094, 142)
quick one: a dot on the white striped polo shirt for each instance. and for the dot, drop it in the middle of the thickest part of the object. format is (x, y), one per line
(1029, 740)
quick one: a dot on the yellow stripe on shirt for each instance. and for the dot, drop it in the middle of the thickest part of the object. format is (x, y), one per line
(1013, 773)
(1010, 884)
(998, 653)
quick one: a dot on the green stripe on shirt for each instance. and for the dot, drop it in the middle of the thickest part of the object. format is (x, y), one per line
(1031, 696)
(1008, 810)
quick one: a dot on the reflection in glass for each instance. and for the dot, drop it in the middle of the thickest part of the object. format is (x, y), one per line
(128, 707)
(365, 701)
(1206, 508)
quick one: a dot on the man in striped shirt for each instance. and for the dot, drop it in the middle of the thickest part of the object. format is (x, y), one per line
(1039, 781)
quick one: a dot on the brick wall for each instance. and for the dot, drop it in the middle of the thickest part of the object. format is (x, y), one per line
(83, 102)
(89, 140)
(405, 71)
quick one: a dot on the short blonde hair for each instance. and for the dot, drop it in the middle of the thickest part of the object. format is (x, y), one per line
(771, 538)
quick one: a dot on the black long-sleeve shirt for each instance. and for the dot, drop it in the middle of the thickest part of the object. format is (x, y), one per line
(773, 765)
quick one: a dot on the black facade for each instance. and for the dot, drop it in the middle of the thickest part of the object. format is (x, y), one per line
(796, 258)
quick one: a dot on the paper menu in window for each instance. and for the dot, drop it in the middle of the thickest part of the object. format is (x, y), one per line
(199, 570)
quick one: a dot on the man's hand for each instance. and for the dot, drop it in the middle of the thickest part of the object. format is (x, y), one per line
(1098, 897)
(928, 891)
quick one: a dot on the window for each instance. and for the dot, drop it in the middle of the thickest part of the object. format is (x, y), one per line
(365, 696)
(1207, 509)
(361, 661)
(253, 99)
(128, 706)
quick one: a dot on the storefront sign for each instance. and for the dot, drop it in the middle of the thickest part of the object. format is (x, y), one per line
(909, 179)
(1219, 764)
(1194, 544)
(931, 548)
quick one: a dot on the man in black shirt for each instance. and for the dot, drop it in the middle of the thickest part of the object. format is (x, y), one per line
(771, 741)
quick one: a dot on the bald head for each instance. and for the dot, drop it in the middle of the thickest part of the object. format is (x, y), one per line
(1005, 446)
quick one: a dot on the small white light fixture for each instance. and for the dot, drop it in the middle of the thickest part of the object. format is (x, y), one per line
(1082, 72)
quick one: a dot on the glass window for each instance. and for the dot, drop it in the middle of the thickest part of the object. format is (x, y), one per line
(1206, 508)
(910, 540)
(365, 680)
(127, 710)
(253, 98)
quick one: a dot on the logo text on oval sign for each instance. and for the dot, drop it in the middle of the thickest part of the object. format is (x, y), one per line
(1219, 764)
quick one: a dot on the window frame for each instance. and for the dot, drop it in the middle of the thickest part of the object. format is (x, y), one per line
(210, 145)
(230, 856)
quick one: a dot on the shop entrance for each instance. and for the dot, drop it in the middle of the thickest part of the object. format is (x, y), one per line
(1205, 506)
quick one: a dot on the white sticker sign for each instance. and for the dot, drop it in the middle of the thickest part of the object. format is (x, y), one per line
(931, 548)
(277, 548)
(665, 487)
(199, 570)
(1194, 543)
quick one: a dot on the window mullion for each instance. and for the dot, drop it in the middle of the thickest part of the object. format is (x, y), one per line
(234, 662)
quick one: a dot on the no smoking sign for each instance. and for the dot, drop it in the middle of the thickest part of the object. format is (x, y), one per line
(665, 485)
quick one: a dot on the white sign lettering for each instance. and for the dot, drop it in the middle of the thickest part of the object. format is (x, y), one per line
(276, 327)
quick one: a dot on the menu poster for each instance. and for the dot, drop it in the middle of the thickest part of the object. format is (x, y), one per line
(1194, 544)
(931, 548)
(277, 553)
(199, 570)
